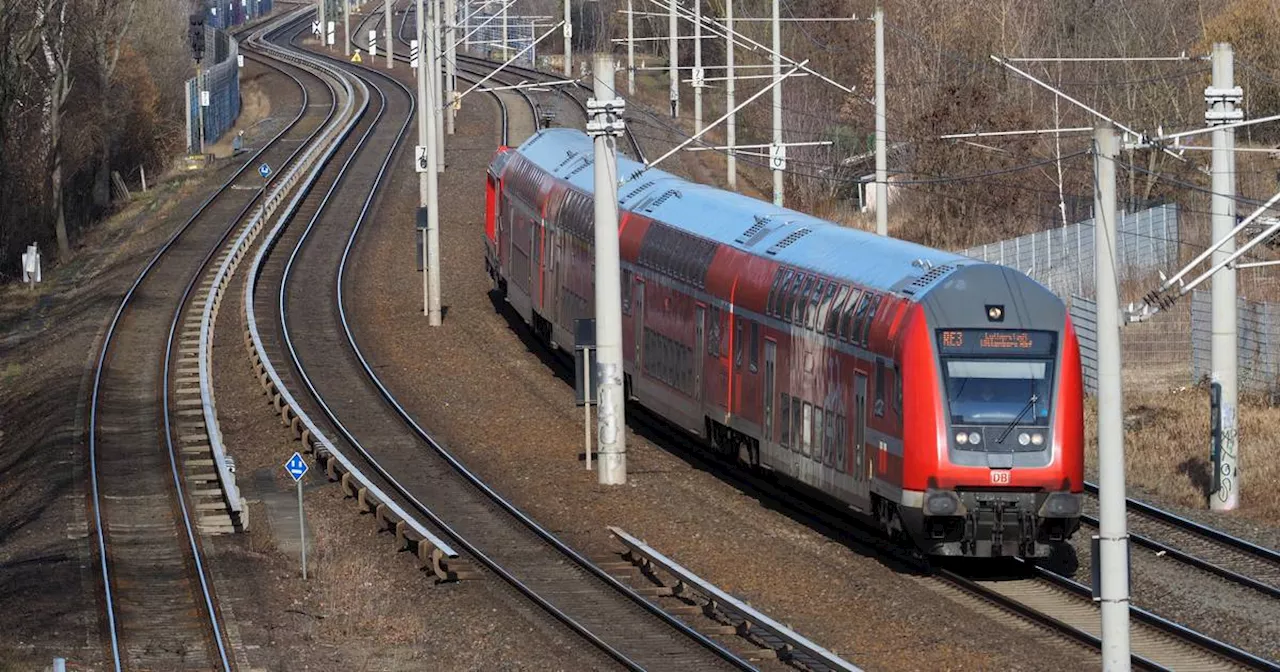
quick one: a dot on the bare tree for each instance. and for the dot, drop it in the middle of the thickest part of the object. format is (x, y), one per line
(57, 58)
(108, 26)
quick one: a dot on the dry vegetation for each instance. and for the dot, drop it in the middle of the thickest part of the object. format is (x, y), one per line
(87, 87)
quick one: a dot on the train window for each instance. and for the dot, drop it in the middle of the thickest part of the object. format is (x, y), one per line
(802, 300)
(713, 332)
(806, 429)
(840, 448)
(811, 313)
(897, 392)
(860, 319)
(847, 328)
(880, 388)
(871, 318)
(796, 420)
(785, 408)
(737, 346)
(820, 446)
(837, 310)
(754, 356)
(829, 440)
(789, 296)
(626, 291)
(771, 307)
(824, 308)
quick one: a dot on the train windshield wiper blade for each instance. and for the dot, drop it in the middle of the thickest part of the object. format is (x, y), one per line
(1030, 403)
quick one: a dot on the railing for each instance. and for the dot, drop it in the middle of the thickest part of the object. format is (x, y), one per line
(747, 618)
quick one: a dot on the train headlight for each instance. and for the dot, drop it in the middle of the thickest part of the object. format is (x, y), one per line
(962, 438)
(1037, 439)
(942, 504)
(1024, 439)
(975, 438)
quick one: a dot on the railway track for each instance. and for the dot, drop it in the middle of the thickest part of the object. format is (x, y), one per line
(295, 292)
(1213, 551)
(151, 500)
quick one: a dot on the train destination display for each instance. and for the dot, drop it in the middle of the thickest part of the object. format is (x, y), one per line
(995, 342)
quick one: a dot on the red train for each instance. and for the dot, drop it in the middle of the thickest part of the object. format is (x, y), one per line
(934, 394)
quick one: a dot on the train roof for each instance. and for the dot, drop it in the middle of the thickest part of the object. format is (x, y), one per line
(754, 226)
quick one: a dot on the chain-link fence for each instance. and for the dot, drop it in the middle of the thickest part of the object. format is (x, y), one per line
(1258, 336)
(483, 33)
(230, 13)
(1062, 259)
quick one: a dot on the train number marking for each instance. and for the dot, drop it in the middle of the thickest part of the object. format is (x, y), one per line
(1000, 477)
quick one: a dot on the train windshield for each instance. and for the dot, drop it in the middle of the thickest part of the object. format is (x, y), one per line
(994, 391)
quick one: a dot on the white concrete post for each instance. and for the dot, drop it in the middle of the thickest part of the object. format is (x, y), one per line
(882, 141)
(386, 9)
(568, 40)
(1112, 532)
(346, 27)
(673, 58)
(731, 125)
(611, 434)
(1222, 97)
(428, 180)
(450, 62)
(697, 66)
(631, 49)
(778, 184)
(434, 53)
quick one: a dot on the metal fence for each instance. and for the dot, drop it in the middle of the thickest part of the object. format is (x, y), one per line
(1062, 259)
(221, 70)
(487, 38)
(1257, 339)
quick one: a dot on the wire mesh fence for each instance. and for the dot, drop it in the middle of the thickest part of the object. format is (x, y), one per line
(1062, 259)
(483, 34)
(219, 77)
(1258, 335)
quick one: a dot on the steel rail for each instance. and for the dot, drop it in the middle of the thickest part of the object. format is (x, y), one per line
(494, 566)
(1194, 561)
(1186, 524)
(1166, 626)
(475, 481)
(99, 367)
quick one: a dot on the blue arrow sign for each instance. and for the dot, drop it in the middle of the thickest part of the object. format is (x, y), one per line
(296, 467)
(264, 170)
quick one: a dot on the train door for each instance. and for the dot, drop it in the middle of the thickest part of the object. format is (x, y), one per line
(859, 465)
(699, 351)
(535, 266)
(549, 290)
(637, 310)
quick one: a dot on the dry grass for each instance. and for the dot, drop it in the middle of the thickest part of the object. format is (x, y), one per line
(1167, 449)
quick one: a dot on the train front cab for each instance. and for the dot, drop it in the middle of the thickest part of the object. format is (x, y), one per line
(993, 432)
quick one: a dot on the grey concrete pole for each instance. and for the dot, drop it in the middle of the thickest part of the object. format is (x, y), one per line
(697, 65)
(611, 434)
(506, 9)
(631, 50)
(568, 40)
(428, 181)
(882, 141)
(1224, 343)
(200, 104)
(673, 58)
(731, 124)
(1112, 532)
(324, 24)
(346, 27)
(450, 62)
(778, 184)
(386, 9)
(437, 79)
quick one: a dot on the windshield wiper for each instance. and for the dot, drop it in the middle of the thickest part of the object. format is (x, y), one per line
(1030, 403)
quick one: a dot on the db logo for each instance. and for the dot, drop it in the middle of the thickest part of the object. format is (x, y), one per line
(1000, 477)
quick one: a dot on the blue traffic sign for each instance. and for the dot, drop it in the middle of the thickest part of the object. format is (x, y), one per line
(264, 170)
(296, 467)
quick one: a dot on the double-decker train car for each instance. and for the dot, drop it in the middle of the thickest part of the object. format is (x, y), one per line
(939, 396)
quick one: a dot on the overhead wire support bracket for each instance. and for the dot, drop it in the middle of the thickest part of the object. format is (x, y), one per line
(604, 117)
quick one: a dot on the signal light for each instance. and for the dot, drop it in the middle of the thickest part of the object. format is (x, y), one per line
(195, 33)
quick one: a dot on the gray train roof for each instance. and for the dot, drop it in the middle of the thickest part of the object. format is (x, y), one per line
(749, 224)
